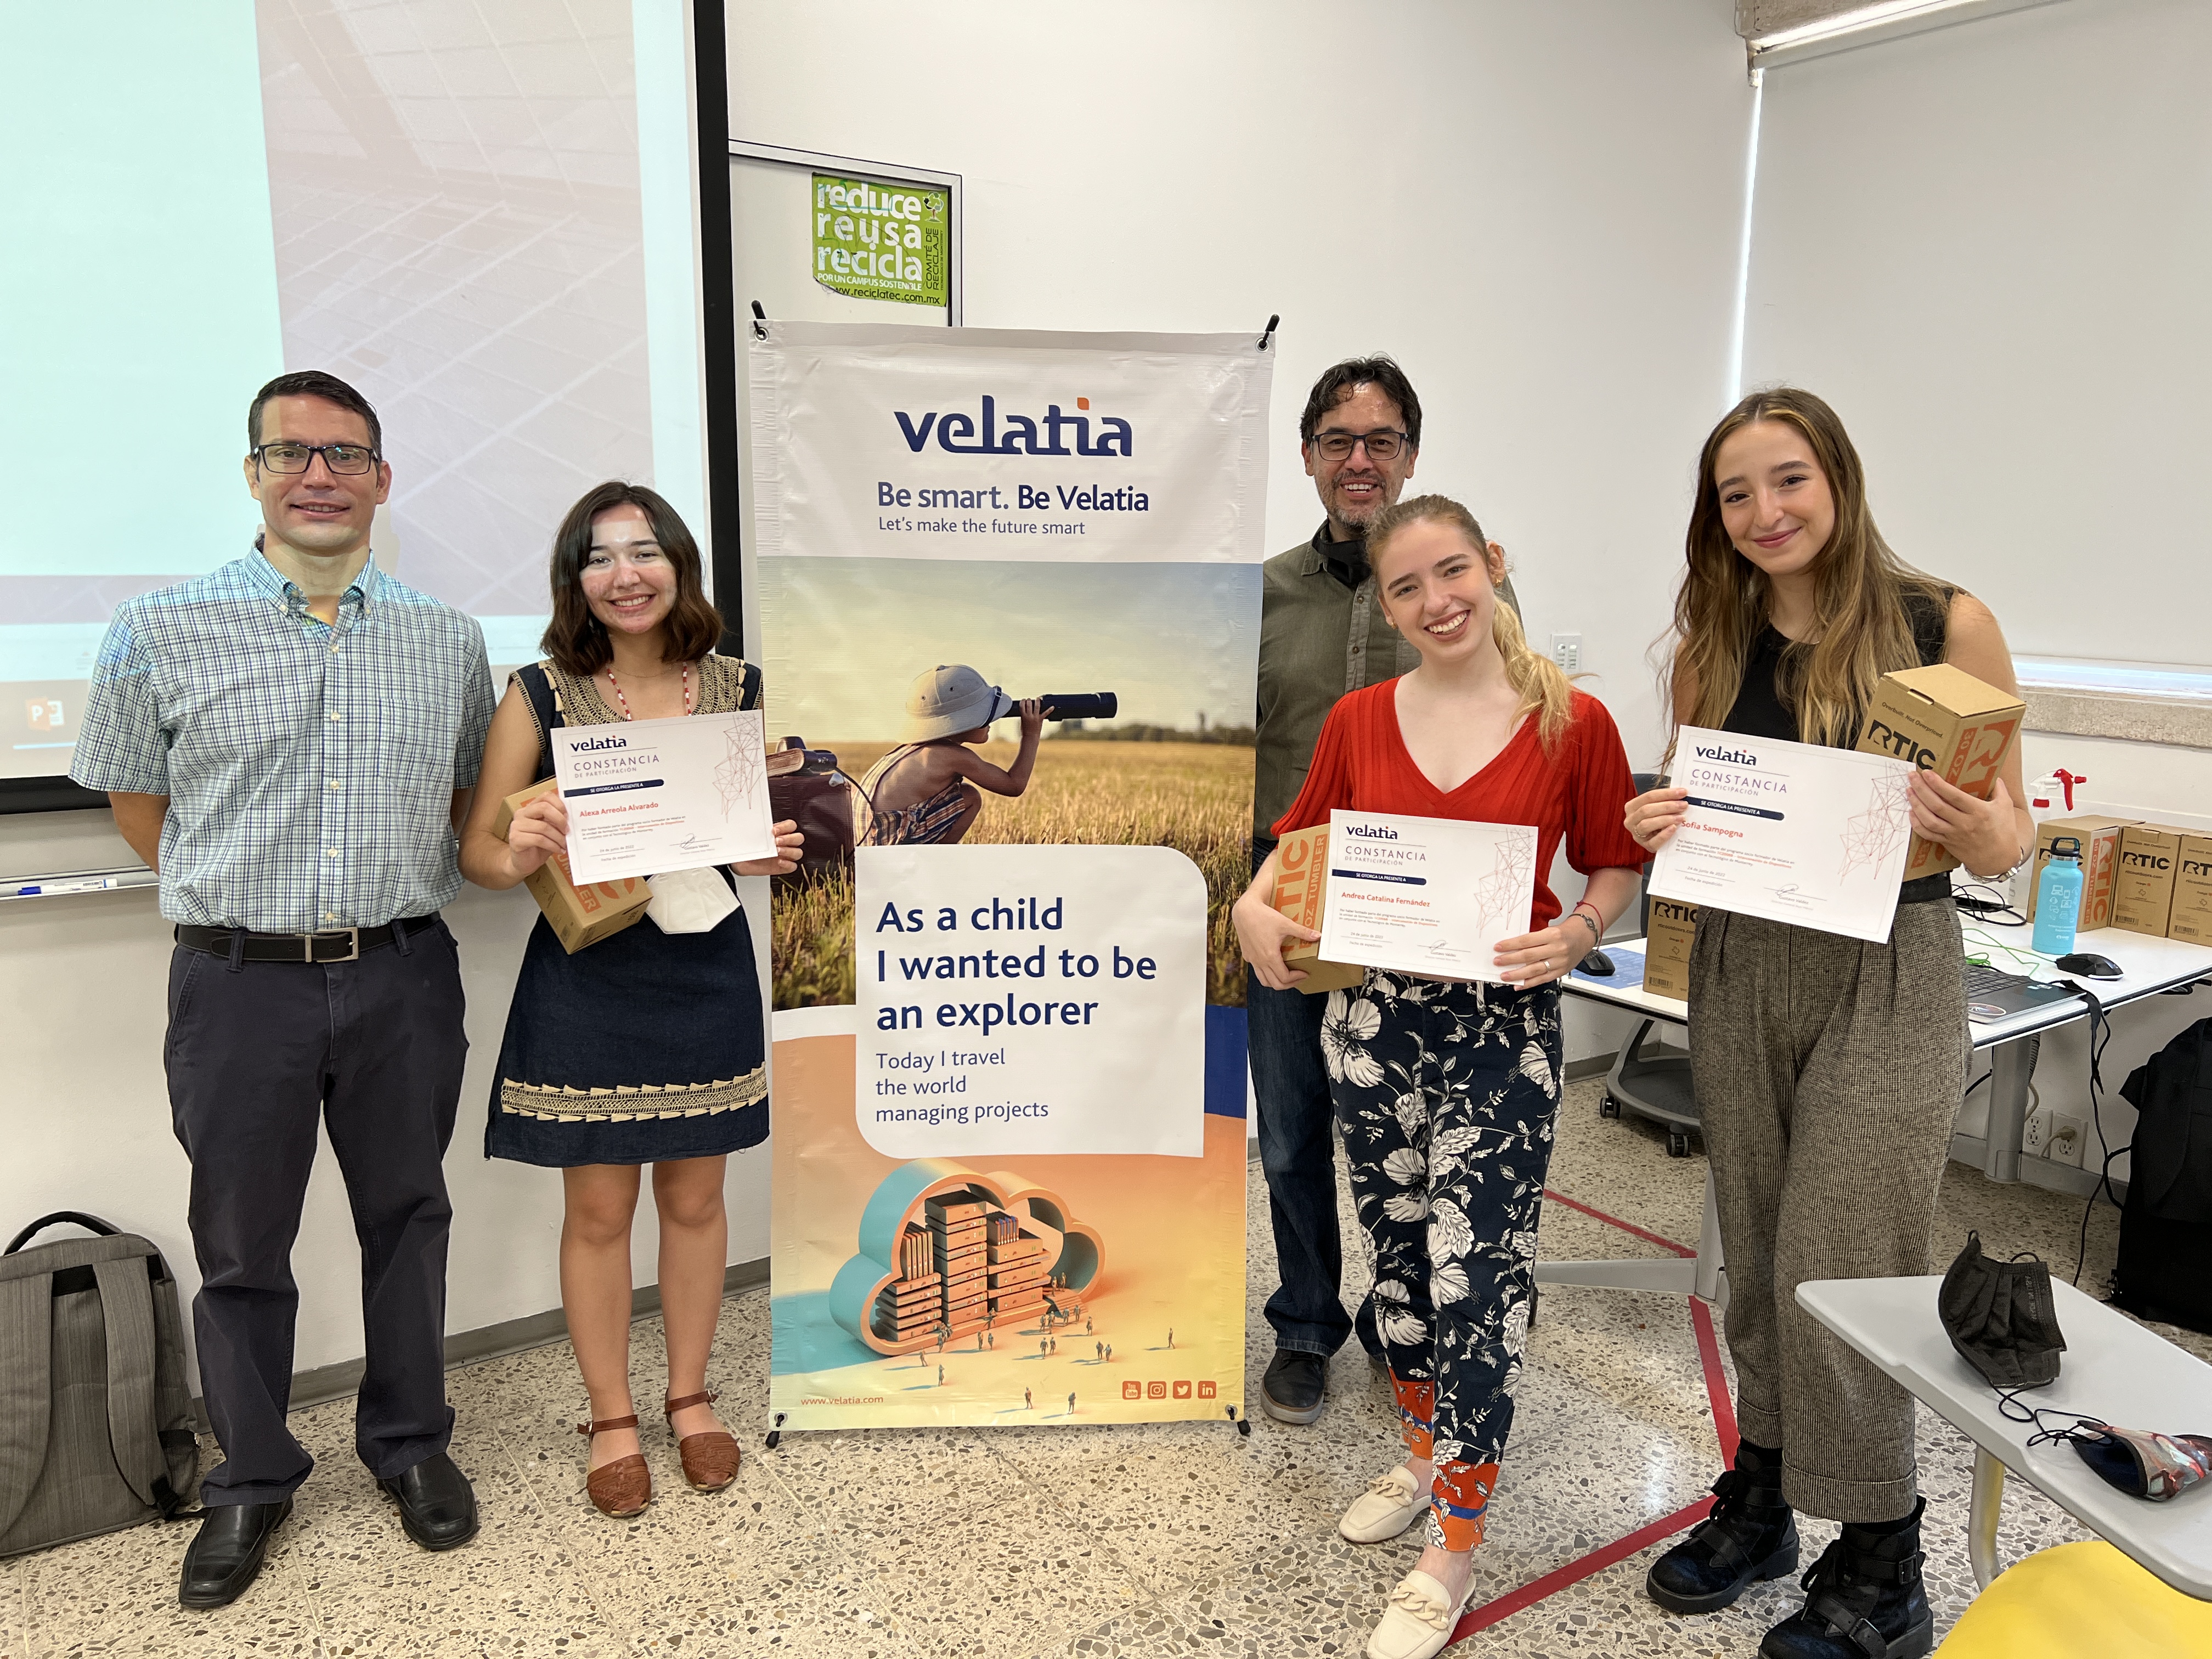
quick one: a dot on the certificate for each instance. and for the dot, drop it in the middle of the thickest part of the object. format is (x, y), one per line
(1789, 831)
(1425, 895)
(648, 797)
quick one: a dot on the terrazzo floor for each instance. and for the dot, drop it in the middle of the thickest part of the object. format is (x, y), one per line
(1099, 1542)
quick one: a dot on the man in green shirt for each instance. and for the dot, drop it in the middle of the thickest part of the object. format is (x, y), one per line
(1322, 634)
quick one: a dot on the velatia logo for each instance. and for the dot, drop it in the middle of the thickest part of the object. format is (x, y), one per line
(1377, 832)
(1021, 434)
(603, 743)
(1730, 756)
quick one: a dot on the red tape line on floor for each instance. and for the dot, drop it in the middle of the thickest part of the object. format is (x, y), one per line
(1503, 1608)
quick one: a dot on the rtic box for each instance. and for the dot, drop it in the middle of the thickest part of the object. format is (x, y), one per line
(2142, 879)
(2193, 892)
(1945, 719)
(1672, 928)
(1301, 894)
(2101, 854)
(578, 916)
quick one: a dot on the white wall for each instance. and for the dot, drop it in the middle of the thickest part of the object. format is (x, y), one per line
(1535, 208)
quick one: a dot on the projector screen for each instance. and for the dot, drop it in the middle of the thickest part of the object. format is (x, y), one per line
(483, 219)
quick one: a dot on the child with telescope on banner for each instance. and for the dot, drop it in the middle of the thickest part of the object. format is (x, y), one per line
(1447, 1090)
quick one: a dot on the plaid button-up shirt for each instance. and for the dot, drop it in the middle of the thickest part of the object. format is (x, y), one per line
(310, 767)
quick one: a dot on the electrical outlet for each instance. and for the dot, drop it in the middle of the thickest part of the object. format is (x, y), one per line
(1567, 651)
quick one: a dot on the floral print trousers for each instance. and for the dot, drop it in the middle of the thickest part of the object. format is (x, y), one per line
(1447, 1094)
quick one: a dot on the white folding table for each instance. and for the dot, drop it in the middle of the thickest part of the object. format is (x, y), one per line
(2113, 1369)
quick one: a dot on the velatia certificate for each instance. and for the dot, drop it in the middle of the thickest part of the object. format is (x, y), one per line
(1425, 895)
(1789, 831)
(648, 797)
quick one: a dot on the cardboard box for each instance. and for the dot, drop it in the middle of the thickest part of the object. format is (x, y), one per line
(578, 916)
(1674, 927)
(1945, 719)
(1301, 894)
(2142, 879)
(2101, 853)
(2193, 892)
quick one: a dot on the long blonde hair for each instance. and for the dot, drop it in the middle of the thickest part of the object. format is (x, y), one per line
(1862, 628)
(1536, 680)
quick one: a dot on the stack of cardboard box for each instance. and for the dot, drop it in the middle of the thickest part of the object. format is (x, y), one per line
(2144, 878)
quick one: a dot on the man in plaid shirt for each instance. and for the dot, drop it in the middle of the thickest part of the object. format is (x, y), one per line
(289, 740)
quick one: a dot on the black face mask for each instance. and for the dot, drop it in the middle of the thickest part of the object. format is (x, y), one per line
(2001, 1318)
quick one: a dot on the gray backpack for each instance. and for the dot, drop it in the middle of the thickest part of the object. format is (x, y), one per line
(95, 1419)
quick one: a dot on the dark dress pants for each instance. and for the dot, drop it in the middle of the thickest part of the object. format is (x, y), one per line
(1297, 1155)
(258, 1054)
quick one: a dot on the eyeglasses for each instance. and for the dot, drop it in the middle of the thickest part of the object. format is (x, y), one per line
(1382, 445)
(347, 460)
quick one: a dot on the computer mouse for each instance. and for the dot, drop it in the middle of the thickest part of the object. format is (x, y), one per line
(2089, 966)
(1597, 964)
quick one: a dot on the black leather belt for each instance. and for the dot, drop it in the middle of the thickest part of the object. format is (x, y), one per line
(339, 945)
(1925, 889)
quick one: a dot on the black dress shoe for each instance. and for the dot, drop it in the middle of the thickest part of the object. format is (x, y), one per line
(437, 1505)
(1294, 1384)
(225, 1555)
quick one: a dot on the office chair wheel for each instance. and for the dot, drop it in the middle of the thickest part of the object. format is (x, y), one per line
(1608, 1107)
(1678, 1144)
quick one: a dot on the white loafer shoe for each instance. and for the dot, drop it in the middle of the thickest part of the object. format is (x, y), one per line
(1419, 1621)
(1389, 1505)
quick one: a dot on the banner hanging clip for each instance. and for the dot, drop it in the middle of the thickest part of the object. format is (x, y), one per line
(1266, 334)
(759, 322)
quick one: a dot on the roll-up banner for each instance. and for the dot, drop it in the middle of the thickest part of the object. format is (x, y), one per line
(1008, 594)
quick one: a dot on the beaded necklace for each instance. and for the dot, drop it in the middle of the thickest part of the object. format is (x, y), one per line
(624, 701)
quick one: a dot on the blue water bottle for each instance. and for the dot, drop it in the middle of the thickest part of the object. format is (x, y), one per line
(2058, 898)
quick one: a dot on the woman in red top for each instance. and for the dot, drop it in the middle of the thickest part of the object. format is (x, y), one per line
(1447, 1090)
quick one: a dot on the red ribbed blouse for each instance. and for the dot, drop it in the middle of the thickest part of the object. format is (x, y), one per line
(1574, 794)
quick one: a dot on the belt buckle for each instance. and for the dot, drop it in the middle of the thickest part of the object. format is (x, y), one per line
(352, 937)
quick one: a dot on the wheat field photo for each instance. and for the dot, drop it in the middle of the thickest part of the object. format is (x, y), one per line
(1194, 797)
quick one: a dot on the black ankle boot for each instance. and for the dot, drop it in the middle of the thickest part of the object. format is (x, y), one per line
(1864, 1600)
(1750, 1534)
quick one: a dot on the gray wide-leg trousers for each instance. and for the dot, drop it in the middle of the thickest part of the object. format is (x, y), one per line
(1828, 1073)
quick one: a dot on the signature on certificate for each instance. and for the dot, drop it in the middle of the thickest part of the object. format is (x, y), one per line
(691, 843)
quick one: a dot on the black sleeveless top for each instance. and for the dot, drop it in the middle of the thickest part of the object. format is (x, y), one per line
(1759, 711)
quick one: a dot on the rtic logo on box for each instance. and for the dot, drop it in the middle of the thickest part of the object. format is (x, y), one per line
(44, 713)
(1132, 1391)
(1673, 910)
(1900, 744)
(2147, 861)
(1205, 1391)
(1182, 1390)
(1156, 1390)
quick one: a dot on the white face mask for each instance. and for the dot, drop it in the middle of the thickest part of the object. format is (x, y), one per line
(690, 901)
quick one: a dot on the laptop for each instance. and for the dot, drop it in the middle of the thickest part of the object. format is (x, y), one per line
(1991, 992)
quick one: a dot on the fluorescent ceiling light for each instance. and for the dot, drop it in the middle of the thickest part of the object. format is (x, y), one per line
(1865, 25)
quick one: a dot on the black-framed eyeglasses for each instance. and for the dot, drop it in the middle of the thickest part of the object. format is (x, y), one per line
(1381, 446)
(346, 460)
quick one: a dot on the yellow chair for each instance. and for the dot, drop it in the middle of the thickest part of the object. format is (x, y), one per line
(2080, 1602)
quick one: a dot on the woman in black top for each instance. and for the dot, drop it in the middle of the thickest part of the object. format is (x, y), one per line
(1827, 1070)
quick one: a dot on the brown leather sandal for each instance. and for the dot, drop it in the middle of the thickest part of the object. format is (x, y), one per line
(710, 1459)
(623, 1488)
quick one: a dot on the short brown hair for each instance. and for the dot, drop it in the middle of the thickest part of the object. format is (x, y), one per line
(575, 639)
(1342, 380)
(313, 383)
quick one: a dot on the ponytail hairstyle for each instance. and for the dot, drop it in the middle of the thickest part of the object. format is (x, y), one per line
(1861, 629)
(1539, 682)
